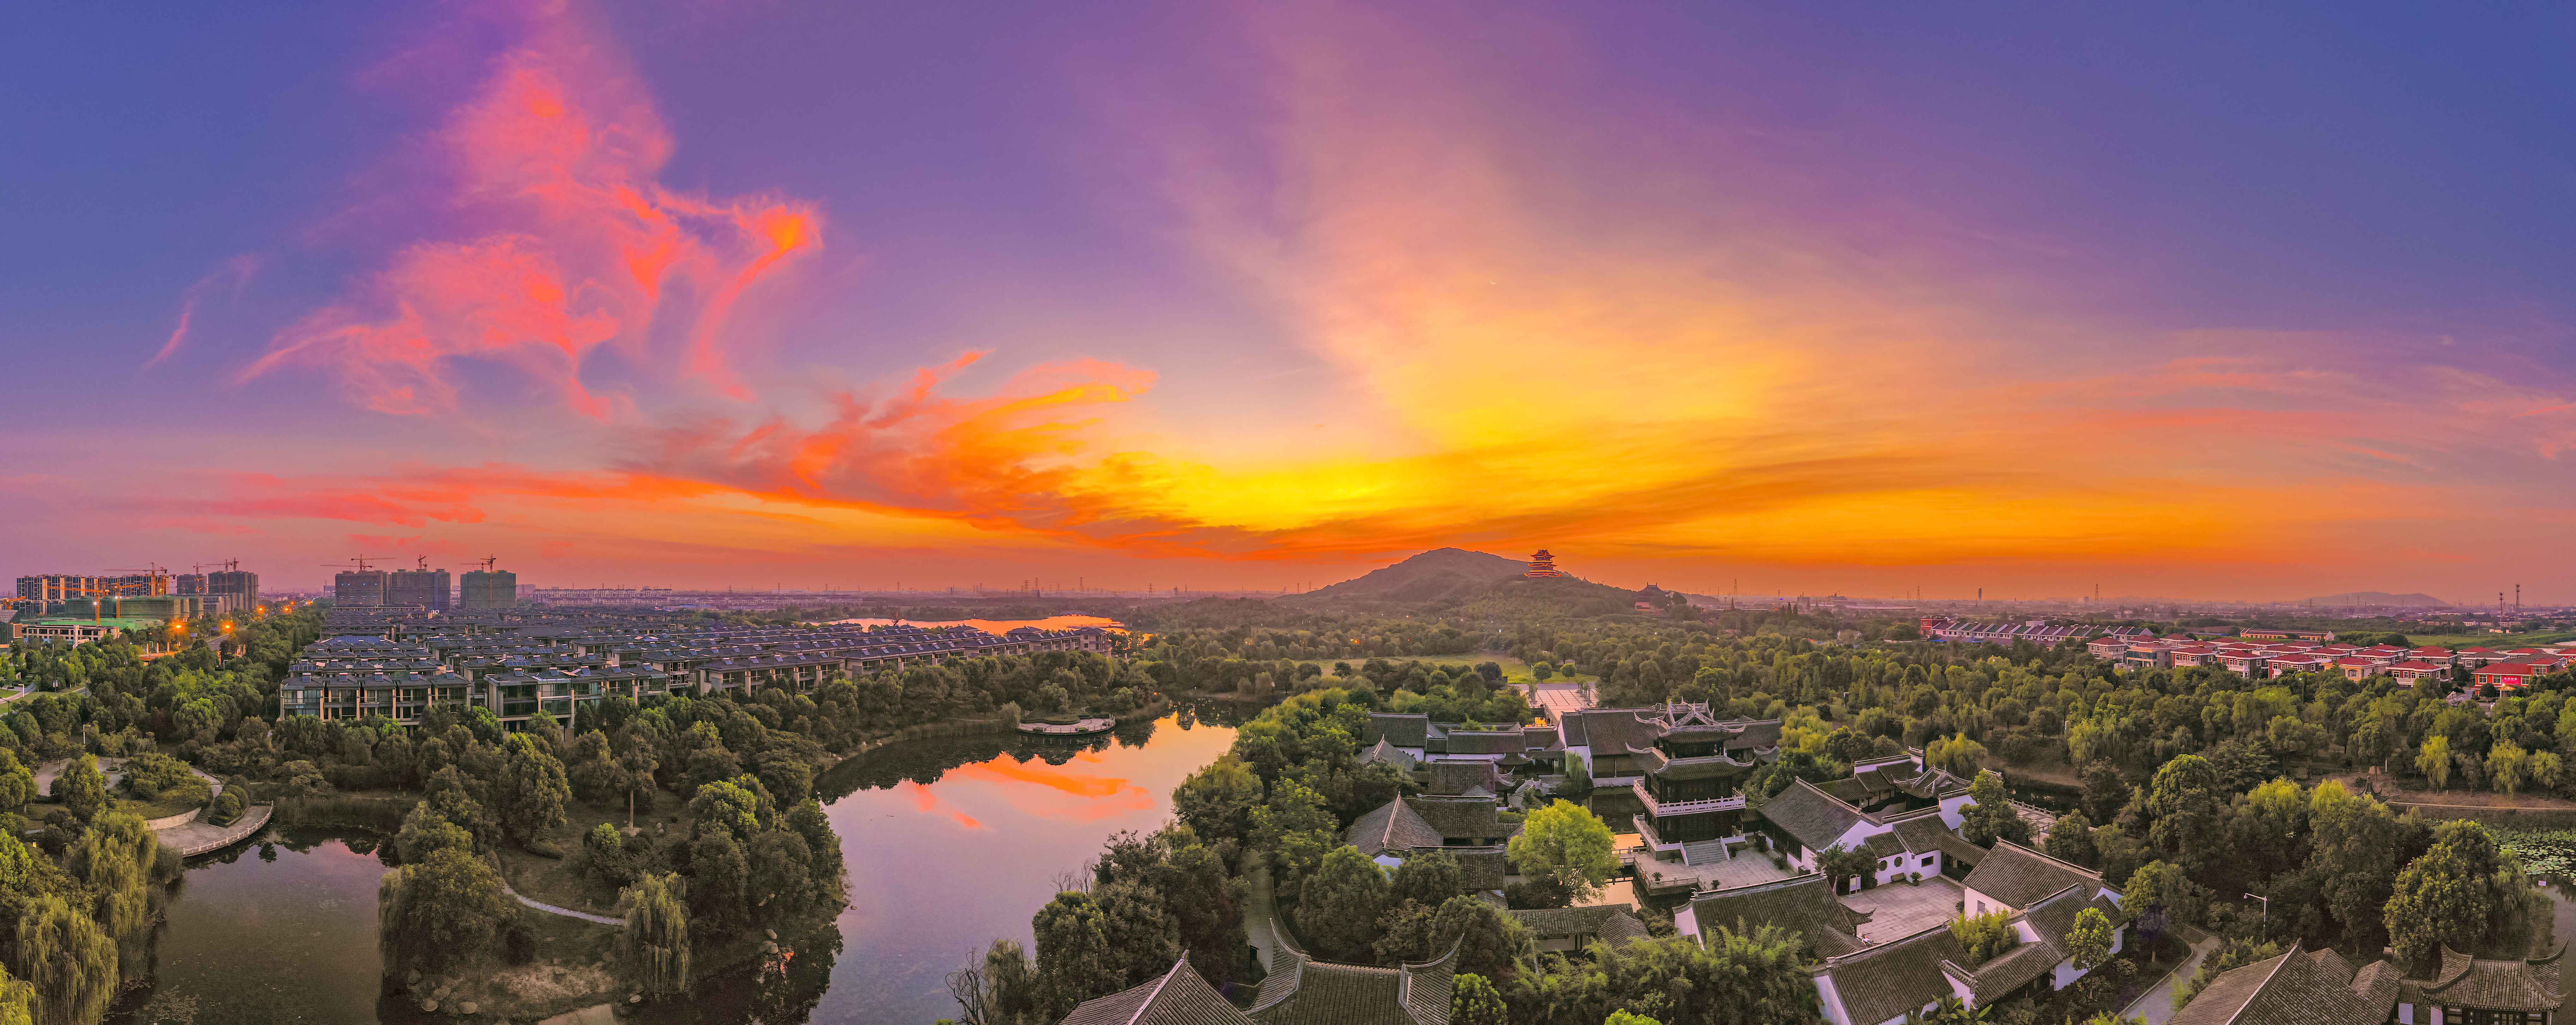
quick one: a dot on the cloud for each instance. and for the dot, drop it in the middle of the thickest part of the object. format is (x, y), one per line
(928, 803)
(236, 272)
(578, 245)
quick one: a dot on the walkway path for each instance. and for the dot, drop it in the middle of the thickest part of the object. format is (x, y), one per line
(2156, 1004)
(1258, 910)
(566, 912)
(197, 836)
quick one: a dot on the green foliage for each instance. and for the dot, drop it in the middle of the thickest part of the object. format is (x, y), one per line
(81, 788)
(1751, 976)
(1985, 936)
(114, 860)
(1991, 818)
(1338, 912)
(1566, 844)
(2163, 888)
(1428, 878)
(1841, 864)
(1217, 801)
(2456, 895)
(2233, 952)
(1474, 1001)
(69, 961)
(530, 792)
(656, 939)
(440, 912)
(2089, 942)
(1626, 1018)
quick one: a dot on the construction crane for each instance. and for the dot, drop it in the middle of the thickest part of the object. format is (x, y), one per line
(423, 561)
(157, 571)
(488, 562)
(360, 562)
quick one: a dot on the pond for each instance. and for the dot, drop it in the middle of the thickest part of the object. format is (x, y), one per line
(948, 844)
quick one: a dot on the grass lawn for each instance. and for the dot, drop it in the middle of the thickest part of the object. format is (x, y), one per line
(149, 810)
(554, 881)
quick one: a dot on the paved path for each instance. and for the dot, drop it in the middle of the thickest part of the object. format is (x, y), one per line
(2156, 1004)
(198, 836)
(1258, 909)
(566, 912)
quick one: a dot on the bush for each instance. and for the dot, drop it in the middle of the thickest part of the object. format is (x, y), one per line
(228, 807)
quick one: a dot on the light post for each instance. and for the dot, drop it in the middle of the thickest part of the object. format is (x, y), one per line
(2267, 910)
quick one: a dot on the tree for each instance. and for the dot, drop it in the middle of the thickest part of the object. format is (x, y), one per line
(1474, 1001)
(1296, 828)
(1568, 845)
(17, 1000)
(2507, 765)
(439, 912)
(81, 788)
(1217, 800)
(1342, 902)
(1628, 1018)
(657, 935)
(1840, 863)
(1992, 817)
(2104, 791)
(68, 959)
(1428, 878)
(2356, 848)
(2159, 894)
(1092, 945)
(2455, 895)
(2188, 811)
(2089, 942)
(2071, 840)
(531, 790)
(1959, 756)
(2434, 761)
(115, 860)
(17, 784)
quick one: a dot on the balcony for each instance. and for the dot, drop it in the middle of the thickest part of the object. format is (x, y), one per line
(1659, 809)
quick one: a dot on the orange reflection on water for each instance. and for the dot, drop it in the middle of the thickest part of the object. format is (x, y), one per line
(928, 803)
(1026, 785)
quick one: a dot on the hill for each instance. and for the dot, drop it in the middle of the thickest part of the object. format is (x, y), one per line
(1441, 574)
(2403, 601)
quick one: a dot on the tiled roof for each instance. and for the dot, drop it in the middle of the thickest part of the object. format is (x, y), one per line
(1460, 777)
(2292, 989)
(1391, 826)
(2020, 877)
(1180, 997)
(1303, 991)
(2513, 985)
(1461, 818)
(1401, 729)
(1610, 923)
(1481, 868)
(1813, 816)
(1887, 980)
(1386, 751)
(1805, 903)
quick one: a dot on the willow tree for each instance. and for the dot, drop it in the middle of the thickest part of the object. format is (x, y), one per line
(115, 859)
(70, 961)
(440, 912)
(657, 935)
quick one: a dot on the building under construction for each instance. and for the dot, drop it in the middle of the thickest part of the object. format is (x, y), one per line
(360, 587)
(424, 587)
(488, 588)
(63, 586)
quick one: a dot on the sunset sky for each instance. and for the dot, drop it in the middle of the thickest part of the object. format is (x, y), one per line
(2208, 301)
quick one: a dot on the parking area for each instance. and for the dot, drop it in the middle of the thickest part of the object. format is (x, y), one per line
(1902, 910)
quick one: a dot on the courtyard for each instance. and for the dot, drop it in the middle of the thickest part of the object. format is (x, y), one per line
(1900, 910)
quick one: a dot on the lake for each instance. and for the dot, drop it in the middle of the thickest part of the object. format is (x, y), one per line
(996, 626)
(947, 844)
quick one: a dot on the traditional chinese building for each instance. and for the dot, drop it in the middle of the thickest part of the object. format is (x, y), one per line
(1542, 565)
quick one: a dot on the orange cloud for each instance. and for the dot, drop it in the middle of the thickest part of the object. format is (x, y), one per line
(562, 150)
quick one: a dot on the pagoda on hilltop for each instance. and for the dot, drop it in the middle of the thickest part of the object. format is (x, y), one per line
(1543, 565)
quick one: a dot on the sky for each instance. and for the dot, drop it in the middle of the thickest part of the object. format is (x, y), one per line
(2193, 301)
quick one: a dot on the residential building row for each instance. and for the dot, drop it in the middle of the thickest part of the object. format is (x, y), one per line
(518, 663)
(2257, 660)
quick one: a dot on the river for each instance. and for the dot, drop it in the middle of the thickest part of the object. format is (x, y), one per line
(947, 845)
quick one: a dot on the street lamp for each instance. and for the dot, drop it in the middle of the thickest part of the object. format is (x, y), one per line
(2267, 907)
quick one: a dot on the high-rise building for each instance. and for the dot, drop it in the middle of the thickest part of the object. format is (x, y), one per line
(426, 588)
(63, 586)
(488, 589)
(190, 583)
(359, 587)
(239, 585)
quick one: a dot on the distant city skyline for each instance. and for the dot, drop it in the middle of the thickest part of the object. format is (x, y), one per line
(2224, 304)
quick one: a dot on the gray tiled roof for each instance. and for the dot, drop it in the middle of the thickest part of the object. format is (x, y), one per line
(1610, 923)
(1401, 728)
(1391, 826)
(1302, 991)
(1813, 816)
(2019, 876)
(2503, 985)
(1180, 997)
(1805, 903)
(1460, 777)
(1885, 981)
(1461, 818)
(1386, 751)
(2292, 989)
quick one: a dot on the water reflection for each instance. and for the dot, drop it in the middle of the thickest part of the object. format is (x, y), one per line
(947, 844)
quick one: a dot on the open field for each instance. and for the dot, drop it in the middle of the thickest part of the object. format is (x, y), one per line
(2499, 642)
